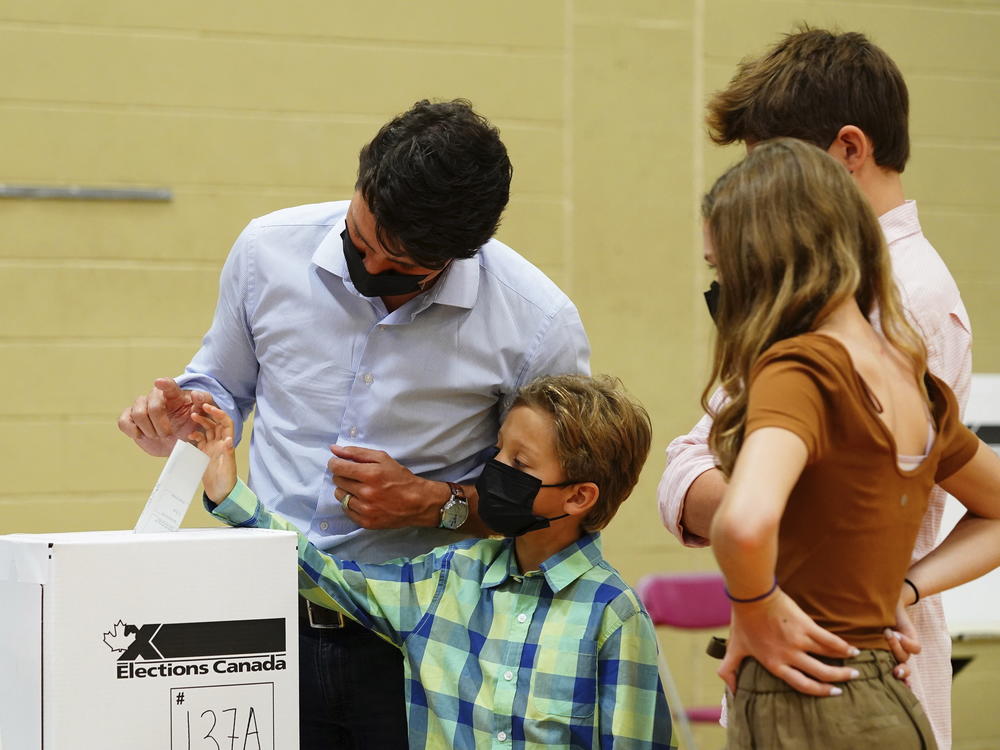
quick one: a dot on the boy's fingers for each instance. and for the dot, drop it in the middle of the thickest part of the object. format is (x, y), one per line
(206, 424)
(218, 414)
(201, 398)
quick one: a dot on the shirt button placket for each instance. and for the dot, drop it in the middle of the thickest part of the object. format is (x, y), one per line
(506, 686)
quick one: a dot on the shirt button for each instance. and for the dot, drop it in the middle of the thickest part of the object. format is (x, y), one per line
(353, 432)
(522, 618)
(508, 675)
(502, 736)
(324, 525)
(369, 378)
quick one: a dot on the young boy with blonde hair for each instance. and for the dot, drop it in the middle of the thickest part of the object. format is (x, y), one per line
(531, 639)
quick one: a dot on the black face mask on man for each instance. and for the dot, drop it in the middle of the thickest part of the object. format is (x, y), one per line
(506, 497)
(712, 300)
(385, 284)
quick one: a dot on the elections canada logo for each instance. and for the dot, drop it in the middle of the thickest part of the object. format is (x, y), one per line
(174, 649)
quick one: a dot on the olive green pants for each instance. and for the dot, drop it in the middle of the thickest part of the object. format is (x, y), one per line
(875, 711)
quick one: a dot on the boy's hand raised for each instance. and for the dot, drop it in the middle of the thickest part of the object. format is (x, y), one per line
(215, 439)
(162, 417)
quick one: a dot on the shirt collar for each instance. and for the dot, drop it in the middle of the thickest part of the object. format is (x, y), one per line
(458, 285)
(900, 222)
(504, 566)
(560, 570)
(329, 254)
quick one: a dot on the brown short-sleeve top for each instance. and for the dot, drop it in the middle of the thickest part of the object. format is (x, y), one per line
(848, 530)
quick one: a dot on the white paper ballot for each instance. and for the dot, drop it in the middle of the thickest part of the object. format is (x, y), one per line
(172, 493)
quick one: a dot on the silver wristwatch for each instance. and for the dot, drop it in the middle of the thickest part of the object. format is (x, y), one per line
(454, 512)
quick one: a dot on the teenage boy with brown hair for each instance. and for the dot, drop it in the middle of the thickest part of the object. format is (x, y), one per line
(845, 95)
(531, 639)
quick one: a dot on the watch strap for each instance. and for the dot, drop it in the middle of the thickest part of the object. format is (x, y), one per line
(456, 510)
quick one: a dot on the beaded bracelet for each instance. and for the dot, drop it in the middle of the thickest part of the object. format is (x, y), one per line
(753, 598)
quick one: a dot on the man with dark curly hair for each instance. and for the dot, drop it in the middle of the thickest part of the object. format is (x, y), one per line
(393, 331)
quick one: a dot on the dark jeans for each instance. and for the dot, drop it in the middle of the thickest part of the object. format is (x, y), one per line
(350, 691)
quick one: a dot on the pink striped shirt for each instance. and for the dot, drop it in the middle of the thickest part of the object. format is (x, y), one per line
(934, 306)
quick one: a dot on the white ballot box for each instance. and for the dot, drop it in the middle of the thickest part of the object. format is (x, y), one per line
(181, 641)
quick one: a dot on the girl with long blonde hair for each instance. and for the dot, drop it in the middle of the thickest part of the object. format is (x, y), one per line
(832, 437)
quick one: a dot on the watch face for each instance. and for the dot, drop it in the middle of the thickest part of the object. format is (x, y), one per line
(454, 513)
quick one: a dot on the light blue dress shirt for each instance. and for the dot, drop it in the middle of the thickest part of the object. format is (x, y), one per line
(427, 383)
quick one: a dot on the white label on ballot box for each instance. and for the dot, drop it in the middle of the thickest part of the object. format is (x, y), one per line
(172, 494)
(222, 716)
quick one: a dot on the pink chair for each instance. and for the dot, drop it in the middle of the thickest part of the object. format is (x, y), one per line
(689, 601)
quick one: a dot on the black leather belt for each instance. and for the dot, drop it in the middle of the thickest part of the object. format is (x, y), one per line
(314, 616)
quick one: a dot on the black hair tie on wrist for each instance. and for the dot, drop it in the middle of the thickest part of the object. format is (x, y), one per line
(753, 598)
(916, 591)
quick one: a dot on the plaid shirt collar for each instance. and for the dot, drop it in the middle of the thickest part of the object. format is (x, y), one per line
(560, 570)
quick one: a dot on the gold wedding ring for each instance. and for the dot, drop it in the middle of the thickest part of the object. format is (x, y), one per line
(346, 502)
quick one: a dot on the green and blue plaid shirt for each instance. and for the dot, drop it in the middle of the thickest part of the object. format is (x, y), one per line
(563, 657)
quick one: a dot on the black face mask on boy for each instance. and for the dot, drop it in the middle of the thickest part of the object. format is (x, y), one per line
(712, 299)
(506, 497)
(385, 284)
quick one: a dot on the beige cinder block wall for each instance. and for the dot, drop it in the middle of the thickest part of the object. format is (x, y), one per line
(239, 109)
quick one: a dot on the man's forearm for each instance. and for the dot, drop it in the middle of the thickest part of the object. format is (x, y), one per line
(701, 501)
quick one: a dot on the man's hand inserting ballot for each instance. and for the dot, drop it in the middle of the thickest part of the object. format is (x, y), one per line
(215, 439)
(162, 417)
